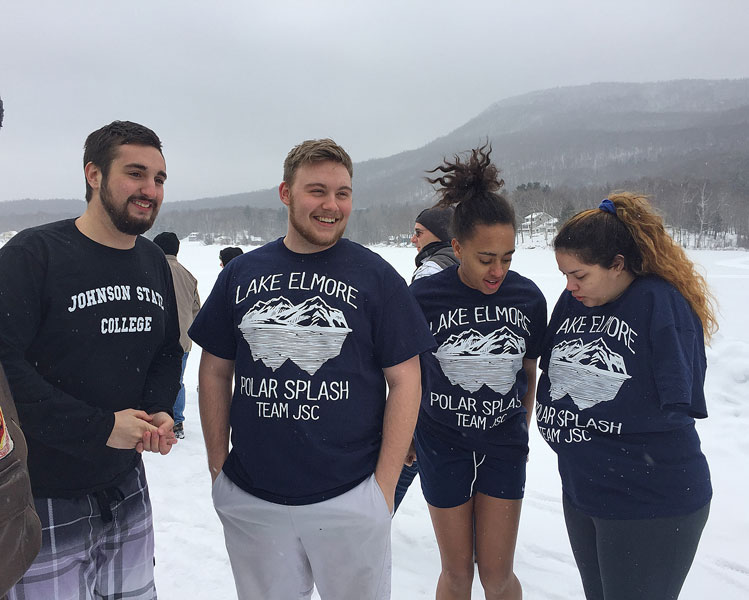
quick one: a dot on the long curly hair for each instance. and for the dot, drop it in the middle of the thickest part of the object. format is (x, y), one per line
(472, 186)
(636, 232)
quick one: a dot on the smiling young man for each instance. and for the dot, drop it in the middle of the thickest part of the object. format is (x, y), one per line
(89, 339)
(310, 328)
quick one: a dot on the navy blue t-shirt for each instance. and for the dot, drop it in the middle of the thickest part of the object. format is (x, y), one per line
(621, 386)
(472, 386)
(310, 335)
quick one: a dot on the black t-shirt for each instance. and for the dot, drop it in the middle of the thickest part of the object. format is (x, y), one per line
(86, 330)
(310, 335)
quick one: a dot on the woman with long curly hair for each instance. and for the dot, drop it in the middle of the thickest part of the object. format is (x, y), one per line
(623, 371)
(477, 389)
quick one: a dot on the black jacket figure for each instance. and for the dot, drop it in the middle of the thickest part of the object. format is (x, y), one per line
(20, 530)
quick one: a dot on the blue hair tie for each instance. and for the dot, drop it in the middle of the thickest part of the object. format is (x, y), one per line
(607, 205)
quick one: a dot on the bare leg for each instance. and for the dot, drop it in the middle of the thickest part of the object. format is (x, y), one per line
(496, 534)
(453, 528)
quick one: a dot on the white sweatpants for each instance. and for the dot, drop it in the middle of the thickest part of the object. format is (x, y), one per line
(278, 552)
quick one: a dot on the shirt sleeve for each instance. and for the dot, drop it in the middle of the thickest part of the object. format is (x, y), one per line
(426, 269)
(46, 413)
(550, 330)
(537, 328)
(679, 362)
(162, 383)
(400, 330)
(213, 327)
(195, 302)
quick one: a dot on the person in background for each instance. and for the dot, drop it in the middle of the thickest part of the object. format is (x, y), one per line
(318, 439)
(432, 239)
(20, 529)
(227, 254)
(188, 305)
(435, 254)
(623, 372)
(478, 387)
(89, 340)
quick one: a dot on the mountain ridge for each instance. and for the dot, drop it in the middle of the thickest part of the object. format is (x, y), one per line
(600, 134)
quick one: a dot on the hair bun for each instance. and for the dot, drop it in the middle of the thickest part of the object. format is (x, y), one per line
(467, 178)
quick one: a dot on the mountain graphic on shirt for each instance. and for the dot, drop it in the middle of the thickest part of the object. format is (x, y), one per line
(590, 373)
(307, 334)
(471, 360)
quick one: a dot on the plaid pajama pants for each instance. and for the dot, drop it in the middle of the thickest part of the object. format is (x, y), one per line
(94, 547)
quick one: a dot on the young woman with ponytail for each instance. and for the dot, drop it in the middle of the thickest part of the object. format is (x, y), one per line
(477, 389)
(623, 371)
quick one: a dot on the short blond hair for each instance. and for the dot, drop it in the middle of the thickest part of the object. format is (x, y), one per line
(312, 151)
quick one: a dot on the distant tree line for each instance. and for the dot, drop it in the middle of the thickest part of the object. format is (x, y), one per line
(700, 212)
(366, 226)
(238, 223)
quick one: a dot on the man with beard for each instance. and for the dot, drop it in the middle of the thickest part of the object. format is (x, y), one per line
(312, 326)
(89, 339)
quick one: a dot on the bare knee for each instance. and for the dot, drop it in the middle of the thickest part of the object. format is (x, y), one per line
(457, 579)
(500, 584)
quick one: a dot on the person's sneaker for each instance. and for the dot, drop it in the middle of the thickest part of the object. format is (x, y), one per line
(179, 431)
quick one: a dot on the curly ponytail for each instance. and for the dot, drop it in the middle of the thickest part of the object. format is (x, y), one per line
(636, 232)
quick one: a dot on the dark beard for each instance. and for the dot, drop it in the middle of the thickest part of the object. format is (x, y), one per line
(119, 217)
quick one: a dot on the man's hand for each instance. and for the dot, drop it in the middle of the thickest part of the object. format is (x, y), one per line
(410, 455)
(130, 429)
(162, 439)
(388, 492)
(215, 378)
(401, 412)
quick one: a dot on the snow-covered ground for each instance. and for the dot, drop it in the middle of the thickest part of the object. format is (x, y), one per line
(191, 558)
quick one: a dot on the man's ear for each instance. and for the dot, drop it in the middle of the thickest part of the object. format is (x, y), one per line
(93, 175)
(284, 192)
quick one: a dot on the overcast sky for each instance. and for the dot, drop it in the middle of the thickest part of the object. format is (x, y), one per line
(231, 86)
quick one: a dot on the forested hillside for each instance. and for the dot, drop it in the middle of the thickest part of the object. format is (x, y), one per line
(684, 142)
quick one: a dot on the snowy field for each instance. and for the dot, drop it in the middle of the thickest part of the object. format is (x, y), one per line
(191, 559)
